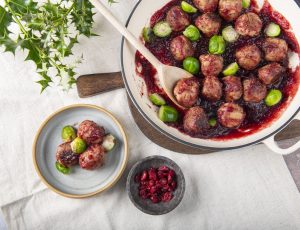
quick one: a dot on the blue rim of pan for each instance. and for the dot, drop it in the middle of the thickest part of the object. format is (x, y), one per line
(168, 134)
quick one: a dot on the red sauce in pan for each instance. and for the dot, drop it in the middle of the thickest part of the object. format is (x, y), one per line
(258, 114)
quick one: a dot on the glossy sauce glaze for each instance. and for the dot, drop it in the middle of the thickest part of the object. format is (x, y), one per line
(258, 115)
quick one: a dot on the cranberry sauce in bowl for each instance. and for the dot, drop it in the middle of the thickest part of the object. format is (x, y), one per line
(155, 185)
(227, 117)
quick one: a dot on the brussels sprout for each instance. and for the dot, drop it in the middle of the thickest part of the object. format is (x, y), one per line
(192, 33)
(186, 7)
(147, 34)
(273, 30)
(273, 98)
(162, 29)
(216, 45)
(212, 122)
(229, 34)
(61, 168)
(68, 133)
(191, 65)
(246, 3)
(167, 114)
(109, 142)
(231, 69)
(156, 99)
(78, 145)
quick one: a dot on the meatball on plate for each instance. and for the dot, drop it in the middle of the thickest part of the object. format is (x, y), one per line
(244, 58)
(103, 169)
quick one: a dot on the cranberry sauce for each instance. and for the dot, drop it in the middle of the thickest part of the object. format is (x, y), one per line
(258, 114)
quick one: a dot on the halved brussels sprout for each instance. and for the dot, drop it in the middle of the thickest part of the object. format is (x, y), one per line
(192, 33)
(78, 145)
(216, 45)
(167, 114)
(273, 30)
(68, 133)
(273, 98)
(229, 34)
(191, 65)
(61, 168)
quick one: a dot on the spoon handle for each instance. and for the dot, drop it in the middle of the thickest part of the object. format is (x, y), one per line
(127, 34)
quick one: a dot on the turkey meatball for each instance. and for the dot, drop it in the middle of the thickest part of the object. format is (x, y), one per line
(181, 48)
(195, 121)
(209, 24)
(206, 5)
(65, 155)
(92, 157)
(177, 19)
(233, 88)
(231, 115)
(212, 88)
(91, 132)
(254, 90)
(230, 9)
(270, 73)
(275, 49)
(186, 91)
(248, 24)
(248, 57)
(211, 65)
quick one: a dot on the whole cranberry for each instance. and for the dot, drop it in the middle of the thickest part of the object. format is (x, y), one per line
(152, 174)
(144, 175)
(154, 198)
(167, 196)
(163, 168)
(163, 181)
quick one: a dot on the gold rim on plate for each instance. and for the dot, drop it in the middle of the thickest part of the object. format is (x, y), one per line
(109, 185)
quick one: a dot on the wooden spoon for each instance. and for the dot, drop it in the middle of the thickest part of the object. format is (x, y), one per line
(168, 75)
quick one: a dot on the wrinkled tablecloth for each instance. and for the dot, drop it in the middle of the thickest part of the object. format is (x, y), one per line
(249, 188)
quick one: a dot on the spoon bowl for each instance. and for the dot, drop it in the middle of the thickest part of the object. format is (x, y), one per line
(167, 75)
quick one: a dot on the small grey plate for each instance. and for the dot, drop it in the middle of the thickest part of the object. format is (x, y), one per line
(146, 205)
(79, 183)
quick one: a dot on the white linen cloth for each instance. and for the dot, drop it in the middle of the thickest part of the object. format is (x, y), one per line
(249, 188)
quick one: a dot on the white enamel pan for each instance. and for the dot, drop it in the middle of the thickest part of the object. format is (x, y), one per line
(136, 89)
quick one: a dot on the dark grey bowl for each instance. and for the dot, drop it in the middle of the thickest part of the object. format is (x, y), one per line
(146, 205)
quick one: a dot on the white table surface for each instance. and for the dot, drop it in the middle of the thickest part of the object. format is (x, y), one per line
(249, 188)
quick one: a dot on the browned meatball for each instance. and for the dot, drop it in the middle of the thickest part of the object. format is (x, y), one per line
(230, 9)
(206, 5)
(270, 73)
(91, 132)
(233, 88)
(92, 157)
(186, 91)
(212, 88)
(248, 57)
(195, 121)
(65, 155)
(248, 24)
(209, 24)
(231, 115)
(275, 49)
(254, 90)
(211, 65)
(177, 19)
(181, 48)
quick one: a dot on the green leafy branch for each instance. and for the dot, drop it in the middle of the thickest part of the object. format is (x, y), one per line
(46, 32)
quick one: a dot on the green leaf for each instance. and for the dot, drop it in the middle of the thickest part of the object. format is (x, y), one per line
(33, 53)
(9, 44)
(82, 16)
(5, 20)
(22, 6)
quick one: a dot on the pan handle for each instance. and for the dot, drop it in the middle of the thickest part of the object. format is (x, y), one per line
(271, 144)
